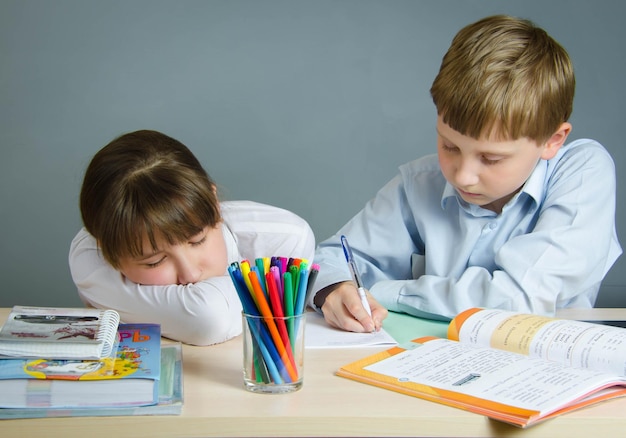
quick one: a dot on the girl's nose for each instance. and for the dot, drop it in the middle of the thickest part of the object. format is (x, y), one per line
(188, 272)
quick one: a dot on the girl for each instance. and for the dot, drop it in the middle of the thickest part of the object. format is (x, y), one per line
(157, 242)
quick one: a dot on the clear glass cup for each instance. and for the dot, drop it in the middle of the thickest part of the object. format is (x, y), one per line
(273, 353)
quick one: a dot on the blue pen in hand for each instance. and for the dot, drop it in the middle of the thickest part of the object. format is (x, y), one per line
(355, 274)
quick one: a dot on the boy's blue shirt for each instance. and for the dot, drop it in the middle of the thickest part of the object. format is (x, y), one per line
(422, 250)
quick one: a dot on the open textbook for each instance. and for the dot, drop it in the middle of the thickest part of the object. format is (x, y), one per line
(516, 368)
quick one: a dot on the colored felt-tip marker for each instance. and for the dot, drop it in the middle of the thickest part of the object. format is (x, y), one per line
(355, 274)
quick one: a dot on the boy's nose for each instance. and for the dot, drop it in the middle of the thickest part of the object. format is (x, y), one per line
(466, 175)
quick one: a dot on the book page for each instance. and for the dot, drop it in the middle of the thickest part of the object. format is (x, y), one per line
(491, 374)
(574, 343)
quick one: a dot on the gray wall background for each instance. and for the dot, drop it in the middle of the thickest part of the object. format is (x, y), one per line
(309, 105)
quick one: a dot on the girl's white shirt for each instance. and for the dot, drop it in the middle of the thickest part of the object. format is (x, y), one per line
(203, 313)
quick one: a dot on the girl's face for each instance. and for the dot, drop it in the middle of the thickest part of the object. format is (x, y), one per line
(201, 257)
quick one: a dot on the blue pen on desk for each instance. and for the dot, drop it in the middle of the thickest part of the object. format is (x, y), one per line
(355, 274)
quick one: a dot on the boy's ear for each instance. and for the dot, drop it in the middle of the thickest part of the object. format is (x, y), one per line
(554, 143)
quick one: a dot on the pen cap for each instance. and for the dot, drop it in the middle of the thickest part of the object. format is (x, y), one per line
(347, 251)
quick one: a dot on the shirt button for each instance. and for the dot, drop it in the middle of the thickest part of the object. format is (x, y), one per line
(490, 227)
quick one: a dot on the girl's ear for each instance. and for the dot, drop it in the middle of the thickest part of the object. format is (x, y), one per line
(554, 143)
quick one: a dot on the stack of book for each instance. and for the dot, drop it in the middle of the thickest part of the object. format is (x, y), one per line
(83, 362)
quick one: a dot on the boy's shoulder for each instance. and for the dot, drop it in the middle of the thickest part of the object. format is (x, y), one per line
(582, 144)
(585, 151)
(420, 179)
(424, 170)
(426, 163)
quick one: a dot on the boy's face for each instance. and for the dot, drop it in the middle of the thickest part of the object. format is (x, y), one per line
(200, 258)
(486, 172)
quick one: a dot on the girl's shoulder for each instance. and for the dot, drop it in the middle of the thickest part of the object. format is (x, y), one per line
(251, 212)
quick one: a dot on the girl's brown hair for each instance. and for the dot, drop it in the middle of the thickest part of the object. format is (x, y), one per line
(145, 184)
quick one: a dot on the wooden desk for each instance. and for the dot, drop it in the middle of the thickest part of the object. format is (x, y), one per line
(217, 405)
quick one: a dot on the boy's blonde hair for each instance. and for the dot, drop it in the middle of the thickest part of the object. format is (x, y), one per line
(504, 78)
(145, 184)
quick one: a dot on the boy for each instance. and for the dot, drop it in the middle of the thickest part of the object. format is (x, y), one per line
(504, 216)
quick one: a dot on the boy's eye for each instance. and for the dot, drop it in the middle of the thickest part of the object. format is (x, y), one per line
(448, 148)
(489, 160)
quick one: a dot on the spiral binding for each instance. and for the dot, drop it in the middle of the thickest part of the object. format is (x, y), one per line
(110, 320)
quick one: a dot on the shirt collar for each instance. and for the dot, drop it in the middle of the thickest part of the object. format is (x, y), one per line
(535, 184)
(533, 187)
(448, 192)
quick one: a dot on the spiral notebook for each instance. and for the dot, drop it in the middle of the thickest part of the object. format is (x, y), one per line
(59, 333)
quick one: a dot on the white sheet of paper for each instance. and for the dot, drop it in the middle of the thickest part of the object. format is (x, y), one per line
(318, 334)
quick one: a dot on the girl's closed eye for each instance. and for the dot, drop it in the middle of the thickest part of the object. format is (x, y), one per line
(198, 242)
(155, 264)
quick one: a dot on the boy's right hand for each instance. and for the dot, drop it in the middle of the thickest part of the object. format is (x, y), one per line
(342, 308)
